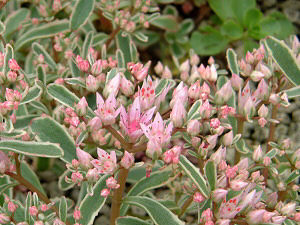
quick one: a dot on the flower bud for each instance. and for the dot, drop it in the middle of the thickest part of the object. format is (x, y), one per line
(227, 139)
(256, 76)
(185, 66)
(193, 127)
(77, 214)
(194, 59)
(257, 154)
(223, 94)
(265, 70)
(166, 73)
(84, 158)
(112, 183)
(13, 65)
(237, 185)
(219, 155)
(289, 209)
(92, 175)
(198, 197)
(105, 192)
(96, 68)
(267, 161)
(219, 194)
(33, 211)
(249, 58)
(126, 87)
(278, 219)
(236, 82)
(81, 107)
(159, 68)
(4, 219)
(274, 99)
(249, 108)
(127, 161)
(213, 75)
(256, 216)
(91, 84)
(262, 91)
(11, 207)
(263, 111)
(195, 90)
(113, 86)
(178, 114)
(12, 76)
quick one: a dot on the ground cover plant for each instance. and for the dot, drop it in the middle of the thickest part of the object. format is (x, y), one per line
(78, 98)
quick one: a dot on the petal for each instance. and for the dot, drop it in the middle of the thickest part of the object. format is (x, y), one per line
(147, 116)
(135, 110)
(123, 116)
(113, 156)
(158, 123)
(111, 102)
(146, 130)
(99, 100)
(101, 153)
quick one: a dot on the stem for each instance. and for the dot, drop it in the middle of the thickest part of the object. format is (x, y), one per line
(240, 130)
(117, 196)
(186, 205)
(112, 36)
(116, 134)
(17, 161)
(32, 188)
(272, 127)
(238, 221)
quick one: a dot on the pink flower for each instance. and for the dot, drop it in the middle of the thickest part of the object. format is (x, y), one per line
(130, 122)
(13, 65)
(207, 215)
(147, 94)
(84, 158)
(138, 70)
(172, 155)
(198, 197)
(158, 133)
(77, 214)
(107, 110)
(127, 161)
(33, 211)
(107, 163)
(105, 192)
(112, 183)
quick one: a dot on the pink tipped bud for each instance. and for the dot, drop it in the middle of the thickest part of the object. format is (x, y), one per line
(105, 192)
(97, 68)
(91, 84)
(127, 161)
(44, 207)
(11, 207)
(262, 122)
(2, 56)
(263, 111)
(77, 214)
(297, 217)
(265, 70)
(92, 175)
(76, 177)
(195, 90)
(249, 58)
(166, 73)
(126, 86)
(81, 107)
(215, 123)
(278, 219)
(256, 76)
(288, 209)
(113, 86)
(257, 154)
(12, 76)
(112, 183)
(33, 211)
(13, 65)
(159, 68)
(219, 194)
(185, 66)
(236, 82)
(172, 155)
(227, 138)
(178, 114)
(83, 65)
(211, 60)
(256, 216)
(198, 197)
(84, 158)
(193, 127)
(224, 94)
(213, 75)
(237, 185)
(267, 161)
(194, 59)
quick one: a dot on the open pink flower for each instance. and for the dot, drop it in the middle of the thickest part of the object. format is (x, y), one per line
(107, 110)
(130, 122)
(106, 163)
(158, 133)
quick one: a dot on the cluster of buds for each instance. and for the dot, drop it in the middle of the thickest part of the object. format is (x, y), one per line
(138, 70)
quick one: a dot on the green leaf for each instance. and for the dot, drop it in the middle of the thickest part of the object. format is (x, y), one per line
(49, 130)
(157, 179)
(74, 69)
(32, 94)
(120, 59)
(13, 21)
(293, 92)
(81, 13)
(166, 22)
(163, 83)
(2, 28)
(284, 58)
(65, 97)
(157, 212)
(140, 36)
(99, 39)
(194, 111)
(208, 43)
(271, 154)
(9, 54)
(42, 31)
(39, 106)
(241, 147)
(130, 220)
(211, 174)
(222, 8)
(63, 208)
(252, 17)
(240, 8)
(75, 81)
(232, 30)
(232, 61)
(24, 121)
(87, 44)
(123, 43)
(30, 175)
(30, 148)
(186, 27)
(39, 50)
(293, 176)
(194, 174)
(12, 134)
(41, 74)
(91, 204)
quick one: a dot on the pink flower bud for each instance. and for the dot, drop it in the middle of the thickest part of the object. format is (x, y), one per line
(84, 158)
(112, 183)
(178, 114)
(219, 194)
(172, 155)
(33, 211)
(278, 219)
(267, 161)
(105, 192)
(237, 185)
(11, 207)
(113, 86)
(249, 58)
(198, 197)
(91, 84)
(166, 73)
(288, 209)
(44, 207)
(213, 75)
(92, 175)
(227, 138)
(4, 162)
(77, 214)
(4, 219)
(126, 87)
(265, 70)
(81, 107)
(76, 177)
(231, 171)
(236, 82)
(223, 222)
(97, 68)
(13, 65)
(297, 217)
(12, 76)
(185, 66)
(262, 122)
(215, 123)
(249, 108)
(193, 127)
(2, 56)
(257, 154)
(194, 59)
(262, 91)
(256, 216)
(127, 161)
(83, 65)
(256, 76)
(212, 141)
(159, 68)
(153, 149)
(263, 111)
(195, 90)
(38, 222)
(95, 123)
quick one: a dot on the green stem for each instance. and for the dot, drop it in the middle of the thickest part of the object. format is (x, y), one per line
(186, 204)
(117, 196)
(240, 130)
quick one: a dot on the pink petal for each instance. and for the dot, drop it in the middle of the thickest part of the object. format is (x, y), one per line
(135, 110)
(99, 100)
(147, 116)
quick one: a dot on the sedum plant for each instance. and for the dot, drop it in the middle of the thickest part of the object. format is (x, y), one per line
(75, 96)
